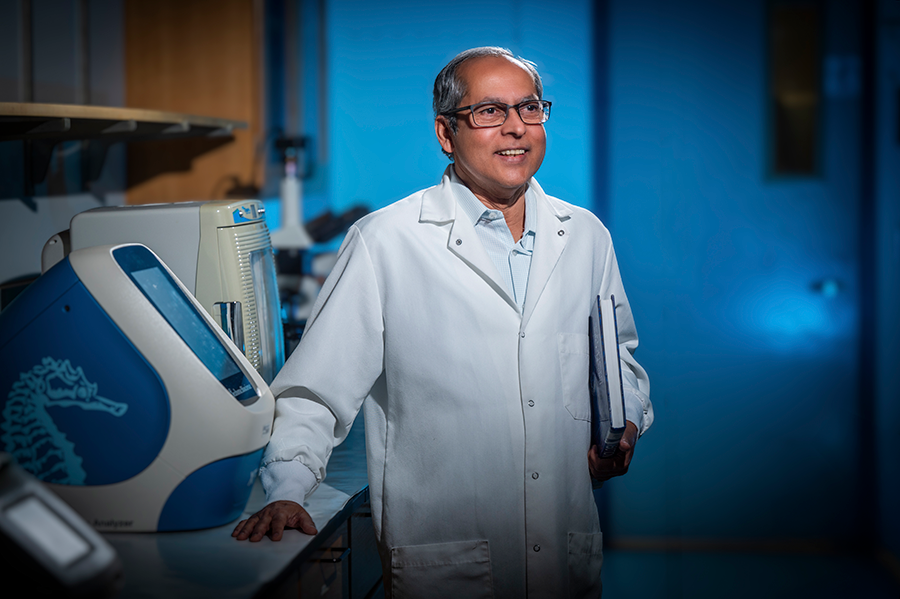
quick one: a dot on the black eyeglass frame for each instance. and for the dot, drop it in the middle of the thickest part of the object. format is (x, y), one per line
(545, 110)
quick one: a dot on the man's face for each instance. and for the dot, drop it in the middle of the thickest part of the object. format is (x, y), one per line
(495, 162)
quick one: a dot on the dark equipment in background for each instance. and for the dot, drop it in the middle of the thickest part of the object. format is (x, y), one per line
(327, 226)
(47, 546)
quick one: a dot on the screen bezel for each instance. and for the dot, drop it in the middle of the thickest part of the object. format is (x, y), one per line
(136, 258)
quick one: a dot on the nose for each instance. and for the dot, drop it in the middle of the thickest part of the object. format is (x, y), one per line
(514, 124)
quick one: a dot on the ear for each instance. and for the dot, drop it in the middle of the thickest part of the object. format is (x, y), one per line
(444, 133)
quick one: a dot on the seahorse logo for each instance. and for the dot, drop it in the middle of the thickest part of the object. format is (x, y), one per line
(29, 433)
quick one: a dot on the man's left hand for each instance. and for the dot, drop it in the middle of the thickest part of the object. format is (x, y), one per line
(605, 468)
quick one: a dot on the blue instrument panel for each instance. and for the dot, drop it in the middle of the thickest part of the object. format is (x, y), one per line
(60, 395)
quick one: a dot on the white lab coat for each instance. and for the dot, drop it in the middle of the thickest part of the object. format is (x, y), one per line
(477, 415)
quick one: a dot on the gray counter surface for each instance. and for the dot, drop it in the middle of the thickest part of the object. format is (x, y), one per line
(210, 563)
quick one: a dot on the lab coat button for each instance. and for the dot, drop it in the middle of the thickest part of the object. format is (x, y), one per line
(535, 475)
(537, 548)
(459, 242)
(561, 233)
(522, 334)
(530, 403)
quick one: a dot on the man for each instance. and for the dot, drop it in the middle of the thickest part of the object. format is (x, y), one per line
(460, 315)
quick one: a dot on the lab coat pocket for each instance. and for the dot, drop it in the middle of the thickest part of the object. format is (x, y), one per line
(452, 570)
(574, 365)
(585, 562)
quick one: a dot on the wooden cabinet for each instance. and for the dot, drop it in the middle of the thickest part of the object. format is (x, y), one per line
(195, 57)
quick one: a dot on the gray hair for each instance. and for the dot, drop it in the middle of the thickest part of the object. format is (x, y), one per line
(449, 87)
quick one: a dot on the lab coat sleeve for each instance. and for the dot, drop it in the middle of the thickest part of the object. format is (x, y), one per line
(324, 382)
(635, 382)
(287, 481)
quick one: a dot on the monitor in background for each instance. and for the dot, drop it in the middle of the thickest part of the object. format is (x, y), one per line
(220, 250)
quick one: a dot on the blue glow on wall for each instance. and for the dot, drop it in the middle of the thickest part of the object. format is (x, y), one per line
(751, 351)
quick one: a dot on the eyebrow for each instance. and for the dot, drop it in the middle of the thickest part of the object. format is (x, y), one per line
(495, 100)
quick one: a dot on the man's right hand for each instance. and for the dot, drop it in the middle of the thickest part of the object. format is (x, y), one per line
(272, 520)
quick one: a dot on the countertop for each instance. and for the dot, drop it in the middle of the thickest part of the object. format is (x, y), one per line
(210, 563)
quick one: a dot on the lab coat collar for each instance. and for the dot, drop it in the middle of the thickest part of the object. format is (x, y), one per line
(550, 238)
(439, 203)
(439, 206)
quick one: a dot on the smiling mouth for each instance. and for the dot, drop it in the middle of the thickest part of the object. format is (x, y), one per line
(511, 152)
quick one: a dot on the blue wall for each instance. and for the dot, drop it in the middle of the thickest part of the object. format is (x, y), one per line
(752, 362)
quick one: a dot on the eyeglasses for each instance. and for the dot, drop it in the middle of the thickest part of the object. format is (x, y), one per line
(494, 114)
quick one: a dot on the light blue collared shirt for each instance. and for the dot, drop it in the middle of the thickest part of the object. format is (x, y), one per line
(512, 259)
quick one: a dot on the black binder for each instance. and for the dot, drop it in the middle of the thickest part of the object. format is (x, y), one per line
(607, 393)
